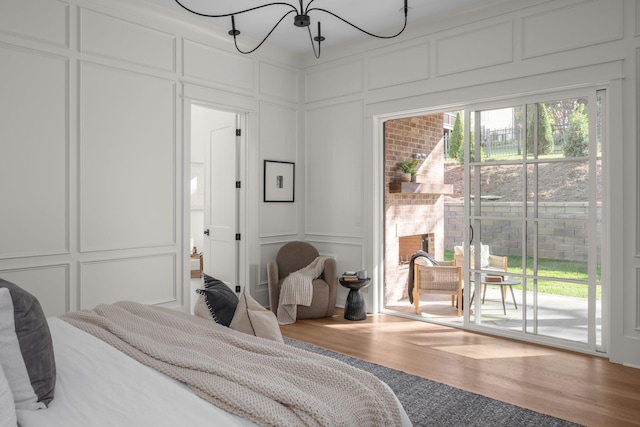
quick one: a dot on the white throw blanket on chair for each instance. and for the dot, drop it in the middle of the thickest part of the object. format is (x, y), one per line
(297, 289)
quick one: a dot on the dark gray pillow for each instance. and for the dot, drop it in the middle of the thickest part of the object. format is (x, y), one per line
(26, 349)
(221, 300)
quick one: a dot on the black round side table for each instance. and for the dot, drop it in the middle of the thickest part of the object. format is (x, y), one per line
(355, 308)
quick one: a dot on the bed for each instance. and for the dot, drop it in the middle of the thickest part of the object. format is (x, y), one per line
(108, 374)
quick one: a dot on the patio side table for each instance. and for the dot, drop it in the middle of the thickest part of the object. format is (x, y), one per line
(505, 282)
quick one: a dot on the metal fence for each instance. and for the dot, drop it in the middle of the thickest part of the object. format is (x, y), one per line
(507, 142)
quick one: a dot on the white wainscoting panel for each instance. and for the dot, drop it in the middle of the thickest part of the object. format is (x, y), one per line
(268, 252)
(49, 284)
(127, 159)
(548, 32)
(148, 280)
(397, 66)
(42, 20)
(477, 48)
(334, 81)
(34, 189)
(216, 66)
(348, 256)
(335, 137)
(126, 41)
(279, 82)
(278, 129)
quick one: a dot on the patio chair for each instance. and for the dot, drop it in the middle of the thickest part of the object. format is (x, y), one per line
(444, 278)
(493, 263)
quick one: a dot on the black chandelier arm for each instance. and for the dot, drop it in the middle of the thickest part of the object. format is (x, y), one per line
(306, 11)
(315, 53)
(235, 41)
(361, 29)
(240, 11)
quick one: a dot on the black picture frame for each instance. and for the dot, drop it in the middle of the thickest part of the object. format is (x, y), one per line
(279, 181)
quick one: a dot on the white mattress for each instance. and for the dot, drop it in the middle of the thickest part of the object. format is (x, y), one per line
(99, 386)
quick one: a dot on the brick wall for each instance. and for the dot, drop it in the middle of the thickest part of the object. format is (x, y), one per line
(408, 214)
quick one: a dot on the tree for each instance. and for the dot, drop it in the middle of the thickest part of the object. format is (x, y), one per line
(457, 137)
(471, 150)
(576, 141)
(545, 133)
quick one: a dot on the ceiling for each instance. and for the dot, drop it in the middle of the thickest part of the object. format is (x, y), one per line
(382, 17)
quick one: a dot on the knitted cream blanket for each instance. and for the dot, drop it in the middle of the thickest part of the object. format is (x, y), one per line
(269, 383)
(297, 289)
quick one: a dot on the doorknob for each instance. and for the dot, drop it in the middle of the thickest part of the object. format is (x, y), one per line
(206, 232)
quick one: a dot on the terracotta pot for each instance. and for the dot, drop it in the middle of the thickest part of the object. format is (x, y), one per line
(405, 177)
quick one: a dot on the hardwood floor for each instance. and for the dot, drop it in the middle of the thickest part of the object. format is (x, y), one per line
(584, 389)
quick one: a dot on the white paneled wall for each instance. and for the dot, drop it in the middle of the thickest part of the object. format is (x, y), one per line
(110, 280)
(34, 164)
(594, 22)
(42, 20)
(129, 42)
(127, 159)
(216, 66)
(280, 123)
(481, 47)
(334, 170)
(95, 153)
(49, 282)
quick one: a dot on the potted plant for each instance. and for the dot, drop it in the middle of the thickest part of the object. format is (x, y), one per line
(408, 168)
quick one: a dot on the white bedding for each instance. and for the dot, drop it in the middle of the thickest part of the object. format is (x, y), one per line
(99, 386)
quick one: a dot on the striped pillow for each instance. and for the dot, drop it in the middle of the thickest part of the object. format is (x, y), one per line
(26, 349)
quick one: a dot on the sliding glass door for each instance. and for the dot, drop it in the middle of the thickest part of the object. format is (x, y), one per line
(533, 180)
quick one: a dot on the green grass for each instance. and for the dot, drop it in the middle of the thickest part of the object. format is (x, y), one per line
(555, 272)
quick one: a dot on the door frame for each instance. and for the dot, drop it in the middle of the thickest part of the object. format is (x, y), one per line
(242, 224)
(608, 272)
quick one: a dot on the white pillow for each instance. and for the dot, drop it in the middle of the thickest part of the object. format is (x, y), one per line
(253, 319)
(7, 406)
(423, 260)
(484, 255)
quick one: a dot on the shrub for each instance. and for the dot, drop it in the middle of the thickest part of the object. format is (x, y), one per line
(457, 137)
(576, 140)
(545, 133)
(460, 155)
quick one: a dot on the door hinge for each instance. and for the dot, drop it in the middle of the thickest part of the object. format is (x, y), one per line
(238, 236)
(238, 132)
(238, 184)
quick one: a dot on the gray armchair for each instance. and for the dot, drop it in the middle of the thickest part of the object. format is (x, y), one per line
(292, 257)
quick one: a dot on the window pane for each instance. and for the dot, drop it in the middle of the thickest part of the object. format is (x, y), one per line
(562, 129)
(501, 134)
(559, 183)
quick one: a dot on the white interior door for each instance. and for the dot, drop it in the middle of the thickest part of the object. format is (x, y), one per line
(221, 205)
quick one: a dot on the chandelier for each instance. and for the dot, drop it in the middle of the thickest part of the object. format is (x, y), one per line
(300, 19)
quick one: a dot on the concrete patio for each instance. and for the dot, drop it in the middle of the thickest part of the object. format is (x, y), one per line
(558, 316)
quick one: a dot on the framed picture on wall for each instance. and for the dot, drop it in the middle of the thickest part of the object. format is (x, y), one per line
(279, 181)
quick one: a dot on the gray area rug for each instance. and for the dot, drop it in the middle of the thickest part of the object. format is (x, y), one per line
(429, 403)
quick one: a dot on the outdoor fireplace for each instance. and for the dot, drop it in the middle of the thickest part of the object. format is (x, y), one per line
(409, 245)
(414, 211)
